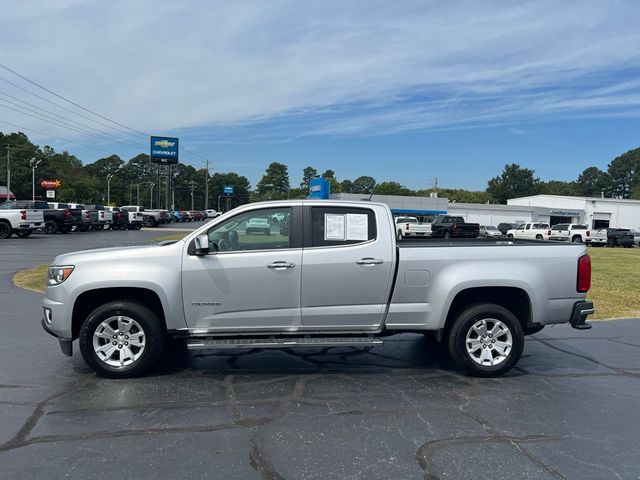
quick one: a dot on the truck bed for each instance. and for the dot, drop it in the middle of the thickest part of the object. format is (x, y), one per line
(472, 242)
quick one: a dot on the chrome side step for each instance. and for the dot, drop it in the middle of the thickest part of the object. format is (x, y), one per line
(280, 342)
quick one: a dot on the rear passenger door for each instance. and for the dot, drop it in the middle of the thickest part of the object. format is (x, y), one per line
(347, 268)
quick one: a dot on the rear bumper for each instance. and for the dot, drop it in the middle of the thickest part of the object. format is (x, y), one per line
(581, 310)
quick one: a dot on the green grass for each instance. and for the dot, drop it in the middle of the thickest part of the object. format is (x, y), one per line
(615, 284)
(32, 279)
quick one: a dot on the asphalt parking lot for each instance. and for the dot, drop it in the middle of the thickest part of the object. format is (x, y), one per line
(399, 411)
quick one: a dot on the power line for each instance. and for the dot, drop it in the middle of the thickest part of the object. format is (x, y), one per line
(59, 123)
(63, 107)
(70, 101)
(47, 135)
(82, 125)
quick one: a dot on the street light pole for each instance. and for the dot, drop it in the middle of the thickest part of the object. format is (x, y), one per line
(109, 177)
(151, 196)
(33, 177)
(8, 174)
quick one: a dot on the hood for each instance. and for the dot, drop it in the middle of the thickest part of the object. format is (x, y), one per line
(115, 253)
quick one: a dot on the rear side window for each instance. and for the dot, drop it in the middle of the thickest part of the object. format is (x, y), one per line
(579, 227)
(331, 226)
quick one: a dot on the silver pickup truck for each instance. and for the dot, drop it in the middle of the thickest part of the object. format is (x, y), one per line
(329, 273)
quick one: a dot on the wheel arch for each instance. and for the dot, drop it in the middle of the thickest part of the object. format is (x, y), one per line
(514, 299)
(91, 299)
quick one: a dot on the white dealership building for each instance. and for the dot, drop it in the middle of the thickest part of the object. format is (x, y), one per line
(552, 209)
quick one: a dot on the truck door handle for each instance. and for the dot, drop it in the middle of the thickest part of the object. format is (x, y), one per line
(369, 261)
(281, 265)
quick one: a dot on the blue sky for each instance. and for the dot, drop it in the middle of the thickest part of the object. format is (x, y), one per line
(405, 91)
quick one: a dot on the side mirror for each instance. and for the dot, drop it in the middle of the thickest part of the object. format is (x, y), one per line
(202, 245)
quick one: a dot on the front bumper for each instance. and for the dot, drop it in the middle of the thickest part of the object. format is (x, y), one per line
(66, 344)
(579, 315)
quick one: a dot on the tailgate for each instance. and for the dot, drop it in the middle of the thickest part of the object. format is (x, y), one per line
(34, 216)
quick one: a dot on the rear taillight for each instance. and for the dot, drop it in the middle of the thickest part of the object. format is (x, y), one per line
(23, 214)
(67, 214)
(454, 227)
(87, 215)
(102, 215)
(549, 232)
(588, 233)
(584, 274)
(406, 226)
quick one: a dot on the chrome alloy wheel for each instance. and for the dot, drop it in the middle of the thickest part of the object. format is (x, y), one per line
(119, 341)
(488, 342)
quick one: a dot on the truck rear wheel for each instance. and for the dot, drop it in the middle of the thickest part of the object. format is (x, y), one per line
(576, 239)
(121, 339)
(447, 234)
(50, 226)
(5, 230)
(24, 233)
(486, 339)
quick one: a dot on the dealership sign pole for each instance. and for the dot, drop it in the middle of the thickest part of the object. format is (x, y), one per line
(164, 151)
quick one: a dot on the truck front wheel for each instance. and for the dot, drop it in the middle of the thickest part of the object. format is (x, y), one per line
(486, 339)
(121, 339)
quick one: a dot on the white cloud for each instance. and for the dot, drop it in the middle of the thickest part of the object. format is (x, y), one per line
(287, 69)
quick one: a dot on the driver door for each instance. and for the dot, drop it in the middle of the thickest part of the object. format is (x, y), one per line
(251, 279)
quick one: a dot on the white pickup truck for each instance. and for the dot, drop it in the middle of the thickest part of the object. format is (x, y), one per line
(530, 231)
(569, 232)
(335, 276)
(22, 222)
(411, 227)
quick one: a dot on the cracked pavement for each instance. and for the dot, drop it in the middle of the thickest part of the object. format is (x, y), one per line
(398, 411)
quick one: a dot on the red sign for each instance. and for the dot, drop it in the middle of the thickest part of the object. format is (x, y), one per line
(50, 183)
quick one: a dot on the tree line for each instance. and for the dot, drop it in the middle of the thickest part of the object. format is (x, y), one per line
(135, 181)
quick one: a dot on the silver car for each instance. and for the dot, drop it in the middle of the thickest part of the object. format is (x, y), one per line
(489, 231)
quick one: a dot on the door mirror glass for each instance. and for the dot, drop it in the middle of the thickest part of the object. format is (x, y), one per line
(202, 245)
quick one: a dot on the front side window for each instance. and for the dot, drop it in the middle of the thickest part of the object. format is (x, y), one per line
(332, 226)
(266, 229)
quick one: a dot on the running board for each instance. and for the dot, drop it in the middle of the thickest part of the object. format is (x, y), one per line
(281, 342)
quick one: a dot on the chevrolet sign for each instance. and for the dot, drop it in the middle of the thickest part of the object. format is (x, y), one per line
(164, 150)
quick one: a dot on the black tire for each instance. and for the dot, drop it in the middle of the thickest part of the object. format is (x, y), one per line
(447, 234)
(510, 236)
(399, 236)
(137, 226)
(5, 230)
(465, 323)
(152, 332)
(24, 233)
(82, 228)
(539, 237)
(152, 222)
(576, 239)
(65, 229)
(50, 227)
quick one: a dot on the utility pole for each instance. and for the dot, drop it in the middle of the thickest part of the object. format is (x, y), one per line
(193, 185)
(8, 173)
(34, 165)
(109, 177)
(206, 187)
(158, 185)
(151, 197)
(137, 194)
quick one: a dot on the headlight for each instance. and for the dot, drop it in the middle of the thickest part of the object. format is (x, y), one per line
(58, 274)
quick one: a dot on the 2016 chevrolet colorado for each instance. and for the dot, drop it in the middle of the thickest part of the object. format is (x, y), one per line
(329, 274)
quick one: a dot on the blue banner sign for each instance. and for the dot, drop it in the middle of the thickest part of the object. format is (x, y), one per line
(164, 150)
(228, 191)
(319, 188)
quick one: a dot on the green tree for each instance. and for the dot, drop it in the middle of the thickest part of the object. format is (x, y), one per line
(593, 182)
(393, 188)
(346, 186)
(624, 172)
(330, 175)
(241, 189)
(558, 187)
(274, 184)
(459, 195)
(364, 184)
(514, 182)
(308, 174)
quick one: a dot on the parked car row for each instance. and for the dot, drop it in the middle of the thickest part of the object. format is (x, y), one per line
(22, 217)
